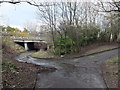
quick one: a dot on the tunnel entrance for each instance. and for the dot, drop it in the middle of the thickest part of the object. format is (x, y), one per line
(33, 45)
(30, 45)
(20, 43)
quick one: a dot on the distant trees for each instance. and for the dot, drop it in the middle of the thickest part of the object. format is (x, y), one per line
(79, 23)
(26, 30)
(112, 10)
(9, 29)
(113, 6)
(31, 28)
(72, 24)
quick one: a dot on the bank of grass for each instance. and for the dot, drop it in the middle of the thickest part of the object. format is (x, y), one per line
(99, 50)
(19, 34)
(110, 72)
(43, 54)
(113, 64)
(7, 43)
(113, 60)
(17, 74)
(9, 66)
(88, 50)
(20, 75)
(14, 74)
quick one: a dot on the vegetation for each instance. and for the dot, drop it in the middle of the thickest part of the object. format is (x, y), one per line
(63, 45)
(74, 38)
(8, 44)
(100, 50)
(113, 60)
(17, 74)
(25, 30)
(72, 26)
(10, 31)
(9, 67)
(43, 54)
(111, 72)
(77, 24)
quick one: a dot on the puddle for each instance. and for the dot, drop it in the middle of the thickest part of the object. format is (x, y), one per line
(24, 57)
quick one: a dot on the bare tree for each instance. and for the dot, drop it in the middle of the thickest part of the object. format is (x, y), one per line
(113, 14)
(31, 2)
(113, 6)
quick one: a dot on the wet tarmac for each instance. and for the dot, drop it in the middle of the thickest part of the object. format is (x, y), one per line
(83, 72)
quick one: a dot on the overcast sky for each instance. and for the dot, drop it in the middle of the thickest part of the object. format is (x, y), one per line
(17, 15)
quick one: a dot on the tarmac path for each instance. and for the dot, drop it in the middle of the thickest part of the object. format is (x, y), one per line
(83, 72)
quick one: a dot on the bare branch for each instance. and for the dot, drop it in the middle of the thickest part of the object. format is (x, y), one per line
(29, 2)
(115, 7)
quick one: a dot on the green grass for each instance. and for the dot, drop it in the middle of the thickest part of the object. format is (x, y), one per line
(9, 43)
(113, 64)
(21, 34)
(43, 54)
(0, 50)
(98, 51)
(113, 60)
(9, 67)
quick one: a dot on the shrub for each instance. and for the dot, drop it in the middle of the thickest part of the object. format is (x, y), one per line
(63, 45)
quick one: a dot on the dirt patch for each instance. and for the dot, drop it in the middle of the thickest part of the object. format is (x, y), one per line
(19, 75)
(110, 74)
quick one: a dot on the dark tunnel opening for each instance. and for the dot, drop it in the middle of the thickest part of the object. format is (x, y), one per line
(29, 44)
(20, 43)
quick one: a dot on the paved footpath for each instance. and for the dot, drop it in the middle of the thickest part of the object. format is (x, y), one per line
(81, 72)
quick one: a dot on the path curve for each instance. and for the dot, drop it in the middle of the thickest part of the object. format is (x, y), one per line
(81, 72)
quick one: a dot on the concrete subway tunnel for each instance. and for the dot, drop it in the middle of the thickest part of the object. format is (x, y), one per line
(33, 46)
(30, 45)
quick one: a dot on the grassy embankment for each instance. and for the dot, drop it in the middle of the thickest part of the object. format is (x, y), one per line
(101, 49)
(43, 54)
(111, 72)
(17, 33)
(87, 50)
(16, 74)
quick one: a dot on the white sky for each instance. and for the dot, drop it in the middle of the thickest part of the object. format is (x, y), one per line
(17, 15)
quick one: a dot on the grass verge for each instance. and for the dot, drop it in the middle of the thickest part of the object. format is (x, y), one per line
(110, 72)
(43, 54)
(99, 50)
